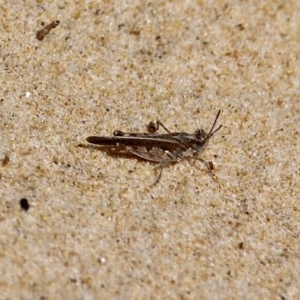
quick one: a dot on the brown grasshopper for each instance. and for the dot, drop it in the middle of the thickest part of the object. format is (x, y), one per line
(163, 149)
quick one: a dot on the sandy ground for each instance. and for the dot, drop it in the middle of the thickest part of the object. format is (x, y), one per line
(92, 227)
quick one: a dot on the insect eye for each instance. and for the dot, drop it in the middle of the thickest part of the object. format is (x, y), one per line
(201, 134)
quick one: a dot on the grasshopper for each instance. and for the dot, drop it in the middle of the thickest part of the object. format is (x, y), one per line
(163, 149)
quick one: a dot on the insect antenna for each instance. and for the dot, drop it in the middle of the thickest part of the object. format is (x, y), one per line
(212, 131)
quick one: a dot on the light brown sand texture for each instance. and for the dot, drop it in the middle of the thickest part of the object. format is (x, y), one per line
(92, 226)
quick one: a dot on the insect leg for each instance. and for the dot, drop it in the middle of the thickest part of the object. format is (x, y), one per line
(164, 163)
(163, 126)
(153, 127)
(159, 176)
(208, 165)
(167, 161)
